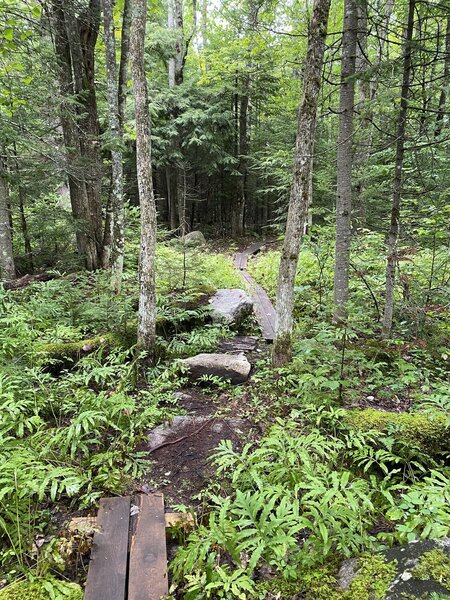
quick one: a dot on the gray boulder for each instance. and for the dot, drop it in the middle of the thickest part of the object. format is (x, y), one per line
(194, 238)
(230, 306)
(232, 367)
(407, 583)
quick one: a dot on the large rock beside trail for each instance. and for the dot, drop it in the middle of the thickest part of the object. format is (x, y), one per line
(230, 306)
(194, 238)
(232, 367)
(417, 572)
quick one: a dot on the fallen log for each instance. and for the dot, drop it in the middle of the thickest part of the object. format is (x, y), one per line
(26, 280)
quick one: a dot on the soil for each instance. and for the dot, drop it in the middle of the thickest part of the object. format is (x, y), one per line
(181, 467)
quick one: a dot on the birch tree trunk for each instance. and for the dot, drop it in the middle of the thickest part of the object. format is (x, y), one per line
(237, 220)
(146, 334)
(299, 198)
(394, 230)
(7, 268)
(116, 152)
(344, 162)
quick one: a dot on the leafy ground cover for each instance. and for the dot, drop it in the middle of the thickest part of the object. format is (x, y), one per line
(71, 413)
(329, 475)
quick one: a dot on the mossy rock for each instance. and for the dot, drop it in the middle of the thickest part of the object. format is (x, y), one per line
(381, 351)
(41, 589)
(430, 433)
(371, 581)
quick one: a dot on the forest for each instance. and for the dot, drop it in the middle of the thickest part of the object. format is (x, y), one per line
(224, 298)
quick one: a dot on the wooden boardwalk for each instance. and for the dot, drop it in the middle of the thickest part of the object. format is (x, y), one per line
(129, 557)
(262, 306)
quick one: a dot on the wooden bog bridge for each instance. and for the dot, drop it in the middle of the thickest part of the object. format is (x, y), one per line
(262, 306)
(129, 556)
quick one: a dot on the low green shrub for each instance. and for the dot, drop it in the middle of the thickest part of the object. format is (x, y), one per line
(42, 588)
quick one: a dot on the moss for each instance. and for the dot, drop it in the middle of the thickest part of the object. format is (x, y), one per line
(317, 583)
(320, 583)
(434, 565)
(282, 350)
(39, 589)
(417, 428)
(375, 575)
(69, 352)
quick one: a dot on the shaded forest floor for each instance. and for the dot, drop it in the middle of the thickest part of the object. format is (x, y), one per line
(76, 426)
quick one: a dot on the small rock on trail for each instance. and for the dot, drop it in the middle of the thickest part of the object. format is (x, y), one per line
(232, 367)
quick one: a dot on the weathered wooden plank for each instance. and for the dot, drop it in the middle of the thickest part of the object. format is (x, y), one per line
(240, 260)
(88, 525)
(262, 307)
(148, 555)
(108, 567)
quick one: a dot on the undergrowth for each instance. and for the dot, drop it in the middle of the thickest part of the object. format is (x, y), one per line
(72, 418)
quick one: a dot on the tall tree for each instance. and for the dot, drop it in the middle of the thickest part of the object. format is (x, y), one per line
(300, 190)
(394, 230)
(76, 32)
(116, 148)
(124, 59)
(445, 79)
(146, 334)
(176, 174)
(345, 161)
(7, 268)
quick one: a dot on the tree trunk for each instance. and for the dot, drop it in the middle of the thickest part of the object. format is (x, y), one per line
(445, 79)
(394, 230)
(7, 267)
(146, 334)
(23, 219)
(116, 152)
(124, 60)
(239, 209)
(74, 168)
(344, 162)
(367, 94)
(299, 199)
(75, 40)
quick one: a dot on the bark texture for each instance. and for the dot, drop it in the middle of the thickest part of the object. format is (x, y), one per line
(146, 334)
(345, 161)
(299, 198)
(394, 230)
(116, 152)
(446, 78)
(7, 268)
(75, 35)
(124, 59)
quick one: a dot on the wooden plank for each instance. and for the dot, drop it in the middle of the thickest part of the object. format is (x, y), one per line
(263, 308)
(148, 555)
(88, 525)
(108, 567)
(240, 260)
